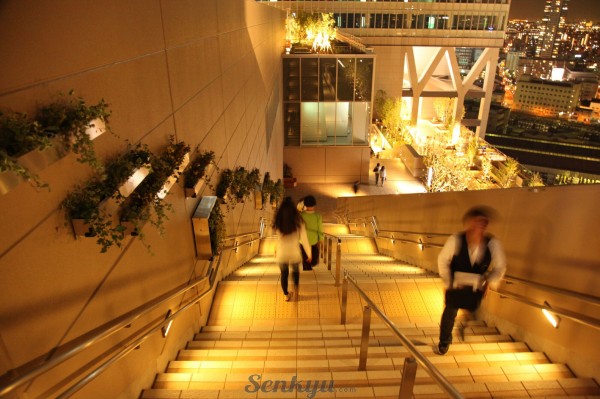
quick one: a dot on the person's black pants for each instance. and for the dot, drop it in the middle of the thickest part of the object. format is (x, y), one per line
(285, 273)
(314, 251)
(455, 300)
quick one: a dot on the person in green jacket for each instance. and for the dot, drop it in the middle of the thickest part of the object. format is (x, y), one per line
(314, 229)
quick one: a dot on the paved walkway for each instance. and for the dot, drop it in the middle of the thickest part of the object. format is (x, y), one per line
(399, 181)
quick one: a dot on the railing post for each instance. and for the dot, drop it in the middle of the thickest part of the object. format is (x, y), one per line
(322, 251)
(344, 299)
(409, 372)
(338, 262)
(364, 340)
(329, 253)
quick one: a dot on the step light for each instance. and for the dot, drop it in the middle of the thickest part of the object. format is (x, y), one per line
(552, 318)
(165, 329)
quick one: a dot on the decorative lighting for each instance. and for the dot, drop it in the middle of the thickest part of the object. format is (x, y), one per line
(421, 245)
(236, 247)
(552, 318)
(165, 329)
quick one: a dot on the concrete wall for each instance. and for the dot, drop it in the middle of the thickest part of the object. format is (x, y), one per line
(328, 164)
(201, 70)
(550, 237)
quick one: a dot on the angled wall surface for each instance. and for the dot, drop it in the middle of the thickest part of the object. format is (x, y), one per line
(203, 71)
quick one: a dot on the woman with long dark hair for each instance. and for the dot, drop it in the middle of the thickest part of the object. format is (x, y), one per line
(290, 231)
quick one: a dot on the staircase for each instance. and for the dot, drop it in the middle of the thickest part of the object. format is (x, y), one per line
(256, 345)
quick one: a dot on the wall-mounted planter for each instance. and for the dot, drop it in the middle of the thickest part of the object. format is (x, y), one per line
(36, 161)
(96, 128)
(192, 192)
(173, 178)
(134, 180)
(258, 202)
(289, 182)
(81, 228)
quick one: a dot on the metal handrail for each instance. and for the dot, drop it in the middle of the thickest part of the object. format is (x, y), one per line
(591, 299)
(149, 331)
(420, 358)
(32, 369)
(577, 317)
(419, 233)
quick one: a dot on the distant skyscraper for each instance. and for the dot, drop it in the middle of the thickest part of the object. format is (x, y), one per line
(555, 12)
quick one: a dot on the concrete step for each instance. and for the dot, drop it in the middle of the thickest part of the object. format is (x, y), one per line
(364, 384)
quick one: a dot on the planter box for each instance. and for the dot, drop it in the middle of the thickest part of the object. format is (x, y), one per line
(97, 127)
(81, 228)
(258, 203)
(134, 180)
(36, 161)
(289, 182)
(192, 192)
(173, 178)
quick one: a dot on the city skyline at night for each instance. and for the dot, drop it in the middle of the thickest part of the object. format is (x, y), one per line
(534, 9)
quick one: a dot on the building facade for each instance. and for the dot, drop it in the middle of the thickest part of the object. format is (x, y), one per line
(546, 98)
(555, 12)
(419, 47)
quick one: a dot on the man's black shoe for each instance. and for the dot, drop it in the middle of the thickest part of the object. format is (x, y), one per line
(443, 349)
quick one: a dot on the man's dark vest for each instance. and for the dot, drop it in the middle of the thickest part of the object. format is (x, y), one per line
(462, 263)
(465, 298)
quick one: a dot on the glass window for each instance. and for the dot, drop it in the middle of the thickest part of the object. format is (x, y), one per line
(360, 122)
(327, 70)
(310, 123)
(310, 79)
(364, 74)
(345, 84)
(343, 125)
(292, 123)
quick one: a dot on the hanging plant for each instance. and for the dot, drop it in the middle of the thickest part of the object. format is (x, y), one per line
(137, 208)
(239, 186)
(217, 230)
(84, 208)
(18, 136)
(196, 172)
(224, 184)
(67, 124)
(277, 193)
(71, 119)
(267, 187)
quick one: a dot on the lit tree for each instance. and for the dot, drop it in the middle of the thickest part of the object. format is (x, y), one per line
(507, 172)
(486, 168)
(396, 128)
(472, 146)
(444, 109)
(448, 173)
(316, 30)
(536, 180)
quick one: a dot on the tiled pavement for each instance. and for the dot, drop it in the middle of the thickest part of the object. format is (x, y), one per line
(254, 339)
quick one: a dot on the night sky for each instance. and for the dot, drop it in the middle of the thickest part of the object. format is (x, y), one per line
(534, 9)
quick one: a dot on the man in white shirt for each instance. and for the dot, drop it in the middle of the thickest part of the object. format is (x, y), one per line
(468, 263)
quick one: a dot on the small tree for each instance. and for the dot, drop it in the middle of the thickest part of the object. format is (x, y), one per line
(536, 180)
(507, 172)
(444, 109)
